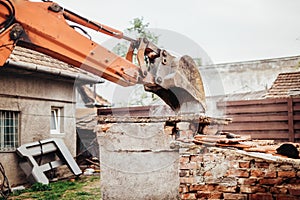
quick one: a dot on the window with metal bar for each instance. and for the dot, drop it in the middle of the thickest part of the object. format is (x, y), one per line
(9, 130)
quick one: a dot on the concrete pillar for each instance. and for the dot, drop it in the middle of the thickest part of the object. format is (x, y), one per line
(137, 162)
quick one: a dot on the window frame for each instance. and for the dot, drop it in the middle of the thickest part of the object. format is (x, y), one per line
(57, 120)
(9, 129)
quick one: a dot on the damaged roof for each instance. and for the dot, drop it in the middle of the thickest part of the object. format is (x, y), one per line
(34, 61)
(90, 98)
(285, 85)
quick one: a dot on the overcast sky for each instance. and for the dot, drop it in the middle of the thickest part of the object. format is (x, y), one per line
(228, 30)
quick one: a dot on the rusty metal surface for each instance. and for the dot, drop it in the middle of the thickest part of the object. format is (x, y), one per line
(178, 82)
(154, 119)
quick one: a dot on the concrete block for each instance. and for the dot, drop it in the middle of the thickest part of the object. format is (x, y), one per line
(138, 163)
(183, 126)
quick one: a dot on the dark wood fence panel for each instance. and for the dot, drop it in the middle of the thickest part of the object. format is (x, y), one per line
(277, 119)
(296, 111)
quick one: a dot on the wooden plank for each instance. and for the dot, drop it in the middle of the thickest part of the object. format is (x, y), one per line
(291, 120)
(270, 135)
(256, 109)
(297, 126)
(296, 117)
(256, 126)
(252, 102)
(297, 108)
(296, 100)
(260, 118)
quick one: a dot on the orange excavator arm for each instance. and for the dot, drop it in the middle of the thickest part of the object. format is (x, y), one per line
(42, 26)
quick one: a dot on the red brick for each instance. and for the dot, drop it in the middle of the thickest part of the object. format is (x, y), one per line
(203, 194)
(187, 180)
(270, 174)
(233, 164)
(195, 187)
(183, 189)
(237, 173)
(183, 165)
(263, 173)
(294, 191)
(244, 164)
(270, 181)
(230, 196)
(262, 165)
(251, 189)
(188, 196)
(183, 173)
(287, 174)
(223, 188)
(259, 196)
(286, 167)
(298, 174)
(216, 195)
(184, 159)
(196, 158)
(257, 173)
(285, 197)
(278, 190)
(248, 181)
(292, 180)
(208, 173)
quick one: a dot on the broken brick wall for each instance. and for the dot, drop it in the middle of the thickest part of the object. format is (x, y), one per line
(216, 173)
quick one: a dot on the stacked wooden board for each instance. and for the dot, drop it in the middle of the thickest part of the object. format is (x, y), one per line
(226, 139)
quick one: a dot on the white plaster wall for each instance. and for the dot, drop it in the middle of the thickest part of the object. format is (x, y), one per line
(33, 98)
(250, 76)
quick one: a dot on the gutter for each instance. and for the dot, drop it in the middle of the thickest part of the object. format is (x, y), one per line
(56, 72)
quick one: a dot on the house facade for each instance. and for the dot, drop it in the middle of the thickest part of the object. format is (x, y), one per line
(37, 101)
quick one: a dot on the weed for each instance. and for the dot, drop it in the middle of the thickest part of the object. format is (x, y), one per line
(40, 187)
(84, 188)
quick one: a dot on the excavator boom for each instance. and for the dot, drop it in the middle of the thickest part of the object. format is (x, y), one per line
(42, 26)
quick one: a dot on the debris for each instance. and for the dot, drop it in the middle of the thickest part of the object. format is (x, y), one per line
(227, 139)
(88, 171)
(17, 189)
(288, 150)
(30, 153)
(4, 184)
(93, 162)
(221, 139)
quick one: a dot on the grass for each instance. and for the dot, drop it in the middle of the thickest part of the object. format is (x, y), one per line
(83, 188)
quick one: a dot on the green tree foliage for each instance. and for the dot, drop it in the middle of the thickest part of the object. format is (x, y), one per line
(138, 29)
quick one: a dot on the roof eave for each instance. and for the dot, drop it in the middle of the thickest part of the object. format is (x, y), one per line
(83, 78)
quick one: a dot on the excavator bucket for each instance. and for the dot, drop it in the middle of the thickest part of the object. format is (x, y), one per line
(178, 82)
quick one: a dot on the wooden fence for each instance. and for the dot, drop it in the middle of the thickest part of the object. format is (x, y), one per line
(276, 119)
